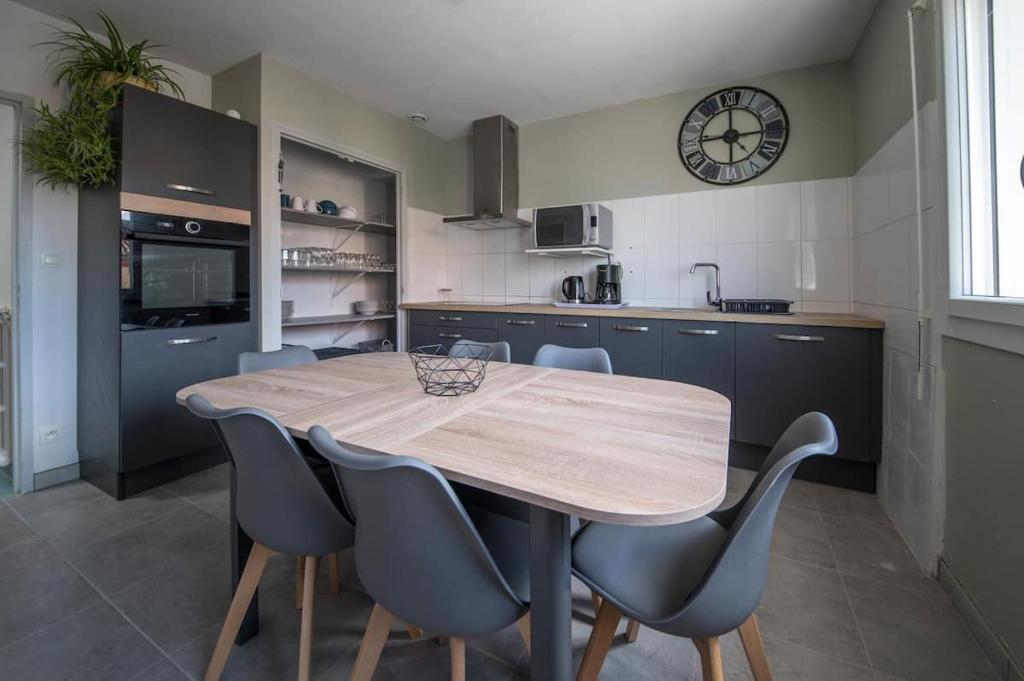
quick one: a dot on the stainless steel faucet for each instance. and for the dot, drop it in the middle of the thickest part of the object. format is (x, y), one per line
(717, 302)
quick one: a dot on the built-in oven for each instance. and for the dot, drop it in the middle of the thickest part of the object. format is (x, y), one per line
(180, 271)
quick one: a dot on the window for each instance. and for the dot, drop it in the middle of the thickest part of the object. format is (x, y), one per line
(988, 112)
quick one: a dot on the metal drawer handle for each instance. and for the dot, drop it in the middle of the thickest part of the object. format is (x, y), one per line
(521, 322)
(799, 339)
(449, 335)
(699, 332)
(191, 190)
(190, 341)
(630, 328)
(449, 319)
(572, 325)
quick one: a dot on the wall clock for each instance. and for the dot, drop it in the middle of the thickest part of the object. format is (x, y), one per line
(733, 135)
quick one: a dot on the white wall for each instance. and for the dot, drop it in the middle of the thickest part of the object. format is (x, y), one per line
(786, 241)
(54, 229)
(885, 276)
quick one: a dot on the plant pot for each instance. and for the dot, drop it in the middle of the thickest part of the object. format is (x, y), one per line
(108, 79)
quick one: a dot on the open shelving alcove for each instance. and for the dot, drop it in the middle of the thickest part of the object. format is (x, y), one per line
(324, 296)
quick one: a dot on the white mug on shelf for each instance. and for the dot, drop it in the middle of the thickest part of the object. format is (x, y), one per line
(298, 203)
(313, 207)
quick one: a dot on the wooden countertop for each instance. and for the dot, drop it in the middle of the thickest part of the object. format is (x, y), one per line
(619, 449)
(678, 314)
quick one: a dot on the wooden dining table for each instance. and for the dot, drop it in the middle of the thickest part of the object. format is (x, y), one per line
(612, 449)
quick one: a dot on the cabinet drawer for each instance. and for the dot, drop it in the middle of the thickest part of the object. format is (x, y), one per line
(420, 334)
(783, 372)
(156, 364)
(469, 320)
(524, 334)
(634, 345)
(701, 353)
(574, 331)
(176, 150)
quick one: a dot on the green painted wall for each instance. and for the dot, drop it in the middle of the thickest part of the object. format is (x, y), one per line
(880, 72)
(984, 542)
(630, 150)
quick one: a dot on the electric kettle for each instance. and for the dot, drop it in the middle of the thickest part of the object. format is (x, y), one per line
(573, 290)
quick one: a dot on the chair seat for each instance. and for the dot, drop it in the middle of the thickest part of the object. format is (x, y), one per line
(647, 572)
(508, 540)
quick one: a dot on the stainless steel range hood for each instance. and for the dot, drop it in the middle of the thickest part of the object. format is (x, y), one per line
(495, 176)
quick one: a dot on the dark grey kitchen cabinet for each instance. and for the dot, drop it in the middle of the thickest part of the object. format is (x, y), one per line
(468, 320)
(633, 344)
(524, 334)
(172, 149)
(421, 334)
(159, 363)
(701, 353)
(784, 371)
(576, 331)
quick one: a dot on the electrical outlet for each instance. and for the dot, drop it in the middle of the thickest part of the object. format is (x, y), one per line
(48, 434)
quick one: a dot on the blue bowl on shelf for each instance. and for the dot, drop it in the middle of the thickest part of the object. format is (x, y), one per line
(329, 207)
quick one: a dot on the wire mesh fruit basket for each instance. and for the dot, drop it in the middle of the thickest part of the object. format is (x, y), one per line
(449, 375)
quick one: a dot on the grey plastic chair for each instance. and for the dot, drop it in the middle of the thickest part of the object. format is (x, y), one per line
(421, 556)
(280, 504)
(699, 579)
(250, 362)
(501, 351)
(581, 359)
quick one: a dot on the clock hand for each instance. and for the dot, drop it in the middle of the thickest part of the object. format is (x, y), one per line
(712, 138)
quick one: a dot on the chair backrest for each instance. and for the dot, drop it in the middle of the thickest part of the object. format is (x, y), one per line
(732, 587)
(249, 362)
(501, 351)
(417, 552)
(581, 359)
(278, 500)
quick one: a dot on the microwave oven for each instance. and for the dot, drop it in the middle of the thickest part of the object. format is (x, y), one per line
(586, 225)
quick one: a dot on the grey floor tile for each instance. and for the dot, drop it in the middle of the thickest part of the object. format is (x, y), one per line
(789, 663)
(916, 636)
(37, 588)
(801, 494)
(59, 496)
(116, 562)
(209, 489)
(807, 606)
(800, 535)
(12, 529)
(425, 660)
(96, 643)
(339, 623)
(100, 517)
(176, 604)
(739, 480)
(161, 671)
(874, 550)
(848, 503)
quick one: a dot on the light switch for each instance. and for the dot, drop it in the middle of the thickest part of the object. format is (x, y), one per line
(50, 259)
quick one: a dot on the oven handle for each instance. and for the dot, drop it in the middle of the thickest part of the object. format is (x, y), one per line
(183, 239)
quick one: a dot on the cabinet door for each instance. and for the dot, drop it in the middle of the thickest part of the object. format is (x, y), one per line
(783, 372)
(701, 353)
(156, 364)
(176, 150)
(524, 334)
(468, 320)
(446, 336)
(634, 345)
(573, 331)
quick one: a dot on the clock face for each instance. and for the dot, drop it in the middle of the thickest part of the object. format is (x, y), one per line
(733, 135)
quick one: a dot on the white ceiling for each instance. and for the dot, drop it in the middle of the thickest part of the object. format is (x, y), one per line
(457, 60)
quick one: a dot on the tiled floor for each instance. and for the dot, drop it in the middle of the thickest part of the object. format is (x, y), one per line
(95, 589)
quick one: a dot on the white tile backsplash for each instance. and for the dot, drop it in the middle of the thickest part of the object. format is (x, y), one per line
(695, 286)
(738, 263)
(661, 221)
(517, 274)
(493, 274)
(778, 212)
(826, 271)
(778, 270)
(825, 209)
(736, 215)
(661, 273)
(697, 218)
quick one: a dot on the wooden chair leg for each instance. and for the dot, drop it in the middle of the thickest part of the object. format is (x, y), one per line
(306, 632)
(251, 575)
(300, 569)
(332, 562)
(632, 629)
(377, 630)
(601, 636)
(710, 658)
(524, 630)
(595, 601)
(458, 648)
(753, 646)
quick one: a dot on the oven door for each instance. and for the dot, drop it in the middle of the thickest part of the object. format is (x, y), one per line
(169, 281)
(565, 226)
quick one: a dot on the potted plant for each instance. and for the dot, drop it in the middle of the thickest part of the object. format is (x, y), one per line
(73, 146)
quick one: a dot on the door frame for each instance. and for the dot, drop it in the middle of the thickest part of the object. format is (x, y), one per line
(21, 308)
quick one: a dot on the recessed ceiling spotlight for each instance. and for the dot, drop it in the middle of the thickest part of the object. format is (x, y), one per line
(418, 118)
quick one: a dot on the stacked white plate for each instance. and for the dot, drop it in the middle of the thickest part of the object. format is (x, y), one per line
(287, 309)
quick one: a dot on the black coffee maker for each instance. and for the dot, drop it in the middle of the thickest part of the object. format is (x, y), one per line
(609, 283)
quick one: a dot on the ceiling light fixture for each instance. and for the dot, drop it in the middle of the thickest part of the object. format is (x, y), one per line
(418, 118)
